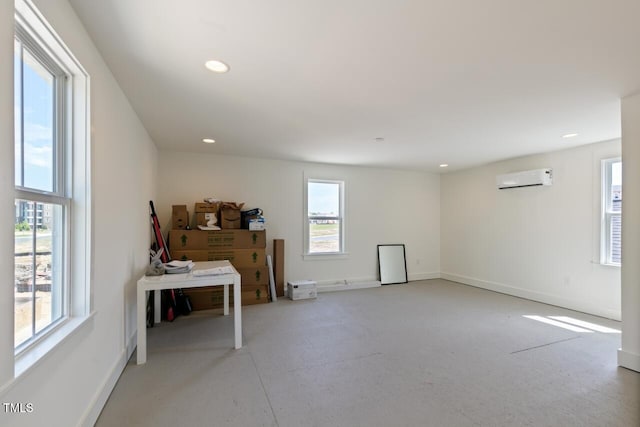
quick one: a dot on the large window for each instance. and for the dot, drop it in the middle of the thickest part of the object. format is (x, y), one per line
(42, 203)
(611, 252)
(51, 243)
(324, 223)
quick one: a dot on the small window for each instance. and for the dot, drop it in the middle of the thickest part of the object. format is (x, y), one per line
(611, 251)
(324, 222)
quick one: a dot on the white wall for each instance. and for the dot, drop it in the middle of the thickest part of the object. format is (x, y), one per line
(540, 243)
(7, 213)
(382, 206)
(629, 354)
(71, 384)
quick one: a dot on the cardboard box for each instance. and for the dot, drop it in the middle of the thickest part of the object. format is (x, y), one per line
(240, 258)
(254, 276)
(302, 289)
(230, 216)
(207, 298)
(179, 217)
(218, 239)
(255, 294)
(203, 218)
(213, 297)
(256, 224)
(207, 207)
(278, 266)
(205, 211)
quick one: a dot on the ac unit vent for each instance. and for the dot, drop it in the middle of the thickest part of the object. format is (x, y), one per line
(525, 179)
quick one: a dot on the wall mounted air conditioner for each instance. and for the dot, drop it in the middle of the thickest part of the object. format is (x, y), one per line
(525, 179)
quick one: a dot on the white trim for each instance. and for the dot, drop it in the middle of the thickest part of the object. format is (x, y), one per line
(629, 360)
(35, 22)
(75, 193)
(99, 400)
(612, 264)
(40, 350)
(606, 214)
(23, 370)
(366, 282)
(325, 256)
(347, 284)
(131, 344)
(39, 197)
(413, 277)
(618, 266)
(595, 309)
(307, 256)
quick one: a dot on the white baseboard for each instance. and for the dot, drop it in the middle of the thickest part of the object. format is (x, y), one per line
(534, 296)
(347, 284)
(92, 413)
(365, 282)
(132, 343)
(629, 360)
(423, 276)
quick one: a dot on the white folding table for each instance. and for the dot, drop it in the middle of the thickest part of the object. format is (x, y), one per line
(187, 280)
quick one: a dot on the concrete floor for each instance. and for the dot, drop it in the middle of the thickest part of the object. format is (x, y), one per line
(428, 353)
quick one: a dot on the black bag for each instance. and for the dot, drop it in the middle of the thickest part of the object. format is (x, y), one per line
(183, 303)
(169, 305)
(150, 310)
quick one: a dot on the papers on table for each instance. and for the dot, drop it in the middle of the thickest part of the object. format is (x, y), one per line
(213, 271)
(175, 267)
(204, 268)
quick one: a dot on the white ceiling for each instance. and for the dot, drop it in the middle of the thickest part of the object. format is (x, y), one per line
(462, 82)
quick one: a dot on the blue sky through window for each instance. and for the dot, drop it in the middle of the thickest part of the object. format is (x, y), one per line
(33, 108)
(324, 198)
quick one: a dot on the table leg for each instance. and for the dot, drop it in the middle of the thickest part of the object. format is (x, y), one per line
(142, 326)
(237, 311)
(226, 299)
(157, 307)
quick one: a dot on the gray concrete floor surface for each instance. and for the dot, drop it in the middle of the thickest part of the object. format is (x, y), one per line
(427, 353)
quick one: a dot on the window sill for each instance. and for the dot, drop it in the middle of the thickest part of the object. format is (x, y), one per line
(604, 264)
(325, 256)
(611, 265)
(34, 355)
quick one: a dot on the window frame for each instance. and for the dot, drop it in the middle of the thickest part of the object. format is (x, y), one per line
(71, 180)
(59, 194)
(342, 253)
(607, 214)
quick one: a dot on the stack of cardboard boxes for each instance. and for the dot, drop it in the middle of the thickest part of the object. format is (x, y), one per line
(245, 249)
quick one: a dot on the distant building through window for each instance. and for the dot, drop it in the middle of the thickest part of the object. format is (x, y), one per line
(38, 215)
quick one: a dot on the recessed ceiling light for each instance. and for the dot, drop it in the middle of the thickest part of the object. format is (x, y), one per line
(216, 66)
(208, 141)
(570, 135)
(444, 165)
